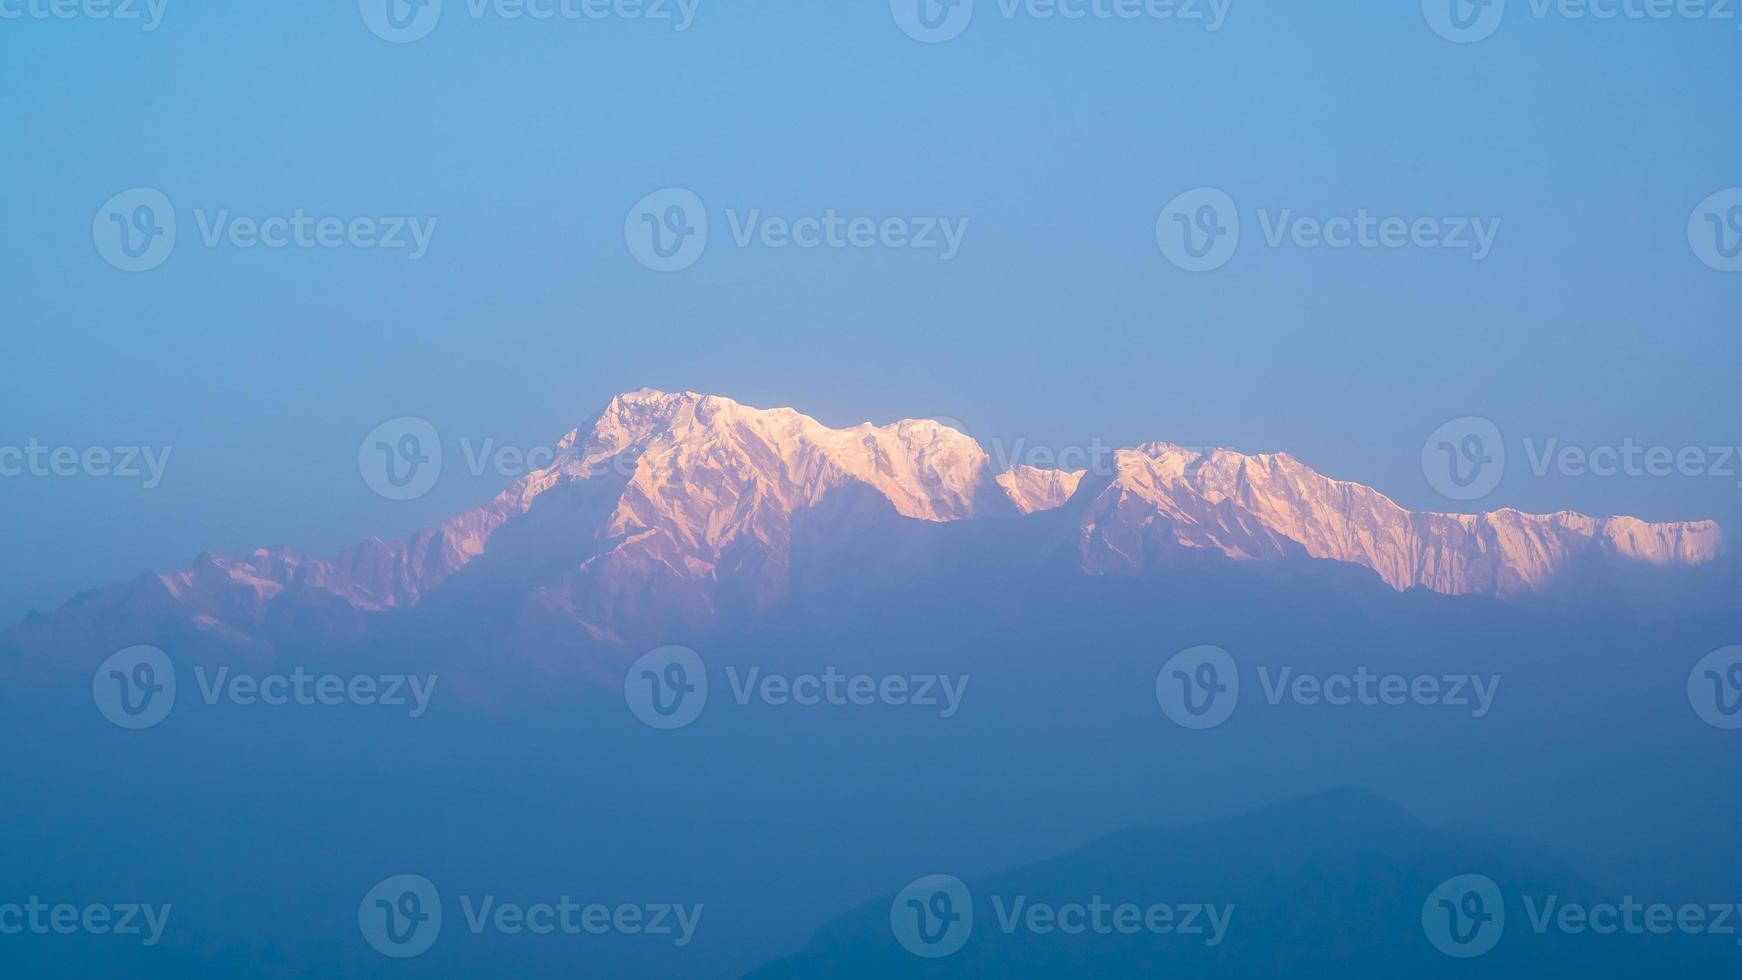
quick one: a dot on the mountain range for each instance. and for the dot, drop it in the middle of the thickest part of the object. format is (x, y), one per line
(672, 513)
(1331, 885)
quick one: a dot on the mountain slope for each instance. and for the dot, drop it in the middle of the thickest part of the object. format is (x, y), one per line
(670, 513)
(663, 504)
(1329, 886)
(1163, 497)
(1032, 488)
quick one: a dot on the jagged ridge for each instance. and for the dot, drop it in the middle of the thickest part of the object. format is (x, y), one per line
(670, 504)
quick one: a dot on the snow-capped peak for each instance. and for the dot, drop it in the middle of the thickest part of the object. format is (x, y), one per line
(1272, 505)
(666, 506)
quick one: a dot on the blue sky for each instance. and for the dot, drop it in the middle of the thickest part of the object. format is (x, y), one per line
(1059, 322)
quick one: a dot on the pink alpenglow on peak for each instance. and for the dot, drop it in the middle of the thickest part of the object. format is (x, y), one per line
(1269, 506)
(669, 510)
(1033, 489)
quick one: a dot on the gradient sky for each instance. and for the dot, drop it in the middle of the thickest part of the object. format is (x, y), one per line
(1060, 321)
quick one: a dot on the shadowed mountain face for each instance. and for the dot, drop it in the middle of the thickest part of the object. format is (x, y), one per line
(779, 816)
(1338, 885)
(682, 514)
